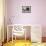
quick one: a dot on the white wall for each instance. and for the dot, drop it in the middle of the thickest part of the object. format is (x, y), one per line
(1, 21)
(37, 15)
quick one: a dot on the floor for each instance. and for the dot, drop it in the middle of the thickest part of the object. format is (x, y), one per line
(23, 43)
(18, 43)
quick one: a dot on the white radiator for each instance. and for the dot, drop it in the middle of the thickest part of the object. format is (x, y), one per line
(36, 33)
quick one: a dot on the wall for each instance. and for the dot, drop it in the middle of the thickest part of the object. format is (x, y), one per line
(1, 20)
(37, 15)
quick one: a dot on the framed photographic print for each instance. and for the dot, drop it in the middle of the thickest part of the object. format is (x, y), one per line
(26, 9)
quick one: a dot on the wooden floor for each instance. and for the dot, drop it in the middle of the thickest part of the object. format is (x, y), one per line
(23, 43)
(18, 43)
(43, 39)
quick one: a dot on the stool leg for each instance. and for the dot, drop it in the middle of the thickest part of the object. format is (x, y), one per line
(12, 36)
(15, 38)
(25, 37)
(7, 34)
